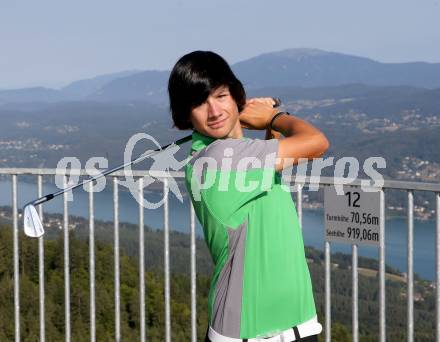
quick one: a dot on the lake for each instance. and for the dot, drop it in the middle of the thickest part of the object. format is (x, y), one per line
(313, 222)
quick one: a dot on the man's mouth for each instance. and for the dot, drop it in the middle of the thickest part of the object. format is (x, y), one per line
(217, 124)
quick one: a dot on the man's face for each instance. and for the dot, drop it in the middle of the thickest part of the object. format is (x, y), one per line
(217, 116)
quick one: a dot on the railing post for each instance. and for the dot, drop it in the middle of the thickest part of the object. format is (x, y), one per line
(437, 266)
(328, 330)
(41, 264)
(16, 259)
(141, 260)
(92, 263)
(116, 250)
(193, 273)
(382, 324)
(166, 263)
(66, 263)
(355, 297)
(410, 274)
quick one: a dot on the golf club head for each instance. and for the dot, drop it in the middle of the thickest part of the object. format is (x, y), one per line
(32, 223)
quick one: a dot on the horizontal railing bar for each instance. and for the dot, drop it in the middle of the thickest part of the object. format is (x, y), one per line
(83, 172)
(389, 184)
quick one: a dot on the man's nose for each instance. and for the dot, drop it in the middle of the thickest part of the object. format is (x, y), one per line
(213, 109)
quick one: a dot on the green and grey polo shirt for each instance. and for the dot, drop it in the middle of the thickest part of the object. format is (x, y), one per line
(261, 283)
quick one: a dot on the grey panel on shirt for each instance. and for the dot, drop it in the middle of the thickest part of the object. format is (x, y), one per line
(226, 312)
(261, 150)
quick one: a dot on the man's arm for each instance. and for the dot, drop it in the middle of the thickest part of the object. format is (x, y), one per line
(302, 141)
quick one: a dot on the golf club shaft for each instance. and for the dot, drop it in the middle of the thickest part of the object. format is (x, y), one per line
(140, 158)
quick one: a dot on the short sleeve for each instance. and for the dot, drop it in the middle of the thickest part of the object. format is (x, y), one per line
(236, 172)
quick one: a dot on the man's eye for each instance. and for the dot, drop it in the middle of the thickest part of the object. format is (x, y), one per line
(223, 95)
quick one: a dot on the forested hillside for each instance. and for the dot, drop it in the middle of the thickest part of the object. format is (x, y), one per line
(180, 290)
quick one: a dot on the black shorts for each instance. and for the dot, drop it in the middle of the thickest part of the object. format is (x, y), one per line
(313, 338)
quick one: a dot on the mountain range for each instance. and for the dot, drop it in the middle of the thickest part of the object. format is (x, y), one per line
(298, 67)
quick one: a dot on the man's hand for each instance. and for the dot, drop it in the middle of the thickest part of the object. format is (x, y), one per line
(257, 113)
(272, 134)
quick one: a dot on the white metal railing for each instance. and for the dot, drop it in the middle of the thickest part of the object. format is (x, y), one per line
(410, 187)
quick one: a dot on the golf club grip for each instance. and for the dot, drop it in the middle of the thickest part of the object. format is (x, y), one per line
(42, 199)
(183, 140)
(277, 102)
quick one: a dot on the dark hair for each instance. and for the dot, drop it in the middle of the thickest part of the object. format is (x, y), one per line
(193, 78)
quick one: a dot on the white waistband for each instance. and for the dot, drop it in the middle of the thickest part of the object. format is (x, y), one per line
(307, 328)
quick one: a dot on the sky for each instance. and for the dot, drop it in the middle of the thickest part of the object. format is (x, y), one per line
(51, 43)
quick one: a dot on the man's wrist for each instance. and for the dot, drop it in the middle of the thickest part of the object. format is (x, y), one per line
(275, 117)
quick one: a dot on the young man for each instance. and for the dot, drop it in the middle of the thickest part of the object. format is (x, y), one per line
(261, 285)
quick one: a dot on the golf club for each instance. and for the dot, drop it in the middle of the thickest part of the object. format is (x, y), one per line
(32, 223)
